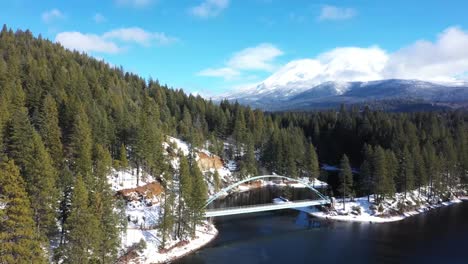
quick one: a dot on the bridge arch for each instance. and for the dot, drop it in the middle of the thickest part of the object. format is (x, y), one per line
(232, 186)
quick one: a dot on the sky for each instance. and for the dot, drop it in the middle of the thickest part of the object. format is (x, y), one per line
(212, 47)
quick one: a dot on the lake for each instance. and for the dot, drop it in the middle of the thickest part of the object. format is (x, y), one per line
(289, 236)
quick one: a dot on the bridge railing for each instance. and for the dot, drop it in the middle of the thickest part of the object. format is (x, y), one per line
(260, 205)
(227, 189)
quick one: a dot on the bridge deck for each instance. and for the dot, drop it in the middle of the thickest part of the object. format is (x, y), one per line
(263, 207)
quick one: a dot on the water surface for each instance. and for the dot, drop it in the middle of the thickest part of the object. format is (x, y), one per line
(289, 236)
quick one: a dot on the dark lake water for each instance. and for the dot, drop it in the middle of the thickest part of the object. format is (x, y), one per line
(263, 195)
(289, 236)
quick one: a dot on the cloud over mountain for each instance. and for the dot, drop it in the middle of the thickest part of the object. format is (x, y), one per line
(442, 60)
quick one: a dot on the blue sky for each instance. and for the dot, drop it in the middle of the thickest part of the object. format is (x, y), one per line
(212, 46)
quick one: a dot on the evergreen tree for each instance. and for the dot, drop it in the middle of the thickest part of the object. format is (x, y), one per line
(81, 146)
(431, 167)
(148, 145)
(18, 239)
(82, 227)
(198, 197)
(65, 192)
(50, 130)
(419, 171)
(185, 194)
(248, 165)
(26, 148)
(216, 181)
(104, 207)
(167, 216)
(312, 165)
(123, 157)
(346, 179)
(380, 173)
(449, 163)
(366, 172)
(240, 131)
(406, 172)
(392, 173)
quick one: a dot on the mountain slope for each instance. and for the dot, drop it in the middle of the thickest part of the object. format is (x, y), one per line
(282, 96)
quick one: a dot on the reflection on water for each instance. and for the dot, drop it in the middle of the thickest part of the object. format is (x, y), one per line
(289, 236)
(262, 196)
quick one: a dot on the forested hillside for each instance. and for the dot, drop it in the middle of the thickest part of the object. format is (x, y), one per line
(66, 119)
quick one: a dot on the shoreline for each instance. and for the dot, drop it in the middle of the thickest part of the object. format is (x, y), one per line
(192, 250)
(377, 219)
(152, 255)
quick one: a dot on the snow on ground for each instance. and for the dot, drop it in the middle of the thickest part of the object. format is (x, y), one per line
(362, 210)
(151, 254)
(225, 172)
(183, 146)
(140, 215)
(127, 179)
(143, 212)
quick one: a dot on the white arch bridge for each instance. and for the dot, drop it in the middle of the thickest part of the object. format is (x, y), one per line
(262, 207)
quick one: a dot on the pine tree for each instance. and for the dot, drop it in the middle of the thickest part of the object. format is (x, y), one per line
(432, 168)
(346, 179)
(392, 173)
(50, 130)
(65, 186)
(449, 163)
(366, 172)
(312, 164)
(419, 171)
(148, 145)
(82, 227)
(18, 239)
(103, 205)
(198, 197)
(406, 172)
(185, 194)
(26, 148)
(81, 148)
(216, 181)
(240, 131)
(380, 173)
(123, 157)
(42, 188)
(166, 222)
(248, 165)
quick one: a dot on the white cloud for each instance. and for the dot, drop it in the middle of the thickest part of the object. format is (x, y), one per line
(86, 42)
(134, 3)
(99, 18)
(336, 13)
(442, 60)
(209, 8)
(109, 41)
(226, 73)
(140, 36)
(51, 15)
(258, 58)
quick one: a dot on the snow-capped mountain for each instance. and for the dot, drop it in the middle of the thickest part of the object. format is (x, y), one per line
(295, 88)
